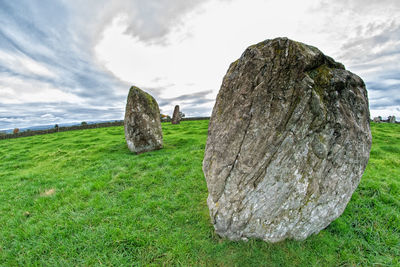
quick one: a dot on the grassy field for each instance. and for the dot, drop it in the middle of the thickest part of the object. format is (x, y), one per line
(81, 198)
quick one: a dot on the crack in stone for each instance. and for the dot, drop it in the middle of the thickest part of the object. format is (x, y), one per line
(263, 170)
(237, 157)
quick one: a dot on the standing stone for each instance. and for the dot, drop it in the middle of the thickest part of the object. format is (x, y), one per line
(176, 117)
(377, 119)
(142, 122)
(392, 119)
(289, 139)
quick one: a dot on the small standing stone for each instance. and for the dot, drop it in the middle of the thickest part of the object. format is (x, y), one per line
(142, 122)
(378, 119)
(176, 117)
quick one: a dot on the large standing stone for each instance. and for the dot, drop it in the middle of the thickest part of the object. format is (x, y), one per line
(289, 140)
(392, 119)
(176, 116)
(142, 122)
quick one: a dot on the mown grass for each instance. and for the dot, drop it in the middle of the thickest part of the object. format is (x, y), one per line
(81, 198)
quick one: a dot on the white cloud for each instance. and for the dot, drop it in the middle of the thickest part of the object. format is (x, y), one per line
(180, 47)
(149, 21)
(21, 64)
(386, 112)
(200, 51)
(23, 91)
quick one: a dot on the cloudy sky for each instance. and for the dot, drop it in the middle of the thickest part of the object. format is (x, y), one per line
(74, 60)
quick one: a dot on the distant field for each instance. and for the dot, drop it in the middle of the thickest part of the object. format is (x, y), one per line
(81, 198)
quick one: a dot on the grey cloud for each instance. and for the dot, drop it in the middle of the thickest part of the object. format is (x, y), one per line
(196, 111)
(358, 6)
(364, 49)
(192, 99)
(158, 90)
(382, 95)
(41, 33)
(60, 36)
(149, 21)
(30, 114)
(157, 18)
(381, 86)
(193, 105)
(374, 54)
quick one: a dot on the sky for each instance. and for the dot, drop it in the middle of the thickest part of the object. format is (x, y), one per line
(75, 60)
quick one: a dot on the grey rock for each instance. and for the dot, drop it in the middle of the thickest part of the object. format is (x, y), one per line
(378, 119)
(289, 139)
(392, 119)
(176, 116)
(142, 122)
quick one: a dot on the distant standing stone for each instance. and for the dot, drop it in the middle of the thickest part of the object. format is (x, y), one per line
(377, 119)
(176, 117)
(142, 122)
(392, 119)
(289, 139)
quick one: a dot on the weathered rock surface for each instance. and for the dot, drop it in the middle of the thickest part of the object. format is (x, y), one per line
(142, 122)
(176, 116)
(392, 119)
(289, 139)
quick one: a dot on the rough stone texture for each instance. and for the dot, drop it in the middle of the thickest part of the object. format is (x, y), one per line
(176, 117)
(142, 122)
(289, 139)
(392, 119)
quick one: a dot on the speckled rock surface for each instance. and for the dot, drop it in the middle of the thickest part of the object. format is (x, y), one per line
(176, 117)
(142, 122)
(289, 140)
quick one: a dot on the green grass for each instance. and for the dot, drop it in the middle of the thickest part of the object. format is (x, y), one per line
(114, 208)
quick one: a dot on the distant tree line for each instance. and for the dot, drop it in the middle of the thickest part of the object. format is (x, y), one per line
(56, 128)
(84, 125)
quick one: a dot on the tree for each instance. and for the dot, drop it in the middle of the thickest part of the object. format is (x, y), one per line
(16, 130)
(164, 117)
(83, 123)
